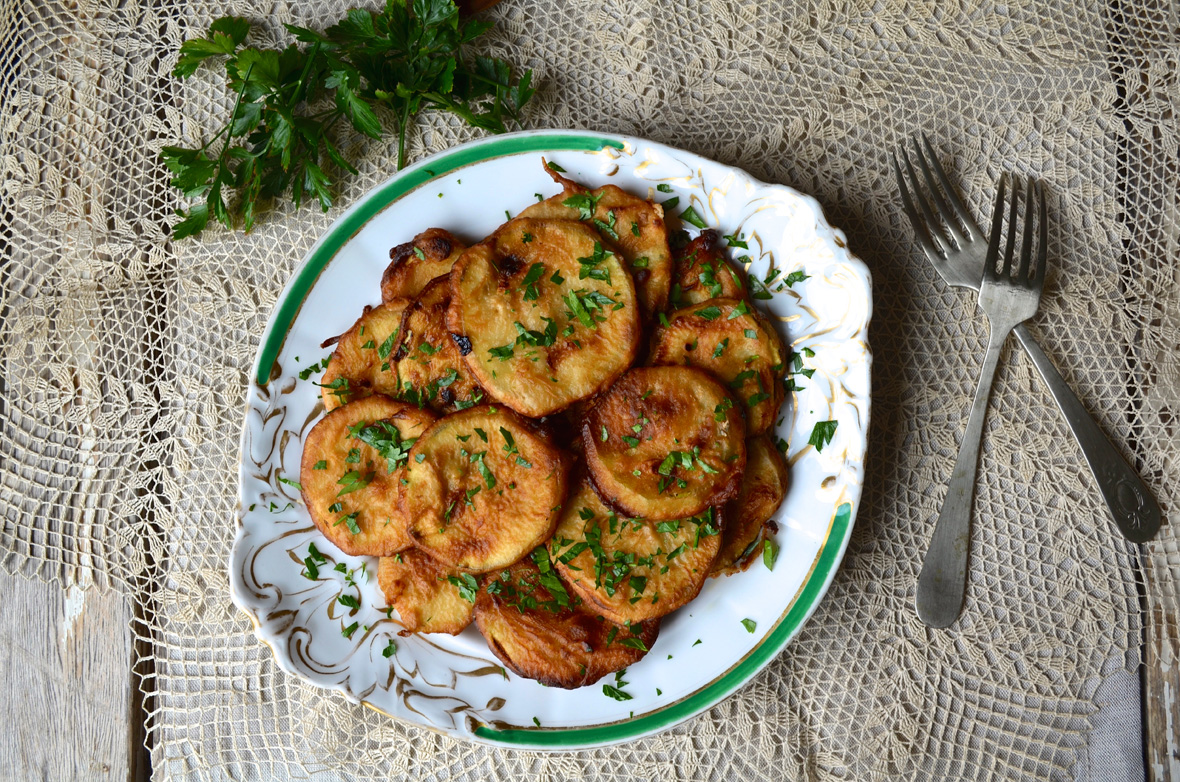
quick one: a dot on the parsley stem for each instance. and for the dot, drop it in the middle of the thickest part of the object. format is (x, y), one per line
(303, 76)
(401, 135)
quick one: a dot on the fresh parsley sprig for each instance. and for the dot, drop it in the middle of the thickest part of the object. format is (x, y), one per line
(371, 69)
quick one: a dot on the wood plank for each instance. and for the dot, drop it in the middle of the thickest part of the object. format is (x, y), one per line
(65, 683)
(1161, 659)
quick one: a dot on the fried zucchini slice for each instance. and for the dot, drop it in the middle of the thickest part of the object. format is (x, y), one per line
(629, 570)
(429, 365)
(629, 225)
(361, 364)
(427, 596)
(482, 489)
(702, 272)
(415, 263)
(548, 312)
(529, 623)
(353, 462)
(731, 340)
(665, 443)
(764, 485)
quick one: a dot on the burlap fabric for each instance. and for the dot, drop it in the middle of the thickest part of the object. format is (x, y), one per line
(125, 360)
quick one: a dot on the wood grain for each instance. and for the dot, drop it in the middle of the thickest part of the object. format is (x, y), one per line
(1161, 658)
(65, 674)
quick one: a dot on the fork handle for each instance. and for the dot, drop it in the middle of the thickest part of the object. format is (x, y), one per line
(942, 583)
(1136, 512)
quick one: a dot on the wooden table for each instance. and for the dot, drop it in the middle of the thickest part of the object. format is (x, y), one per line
(72, 711)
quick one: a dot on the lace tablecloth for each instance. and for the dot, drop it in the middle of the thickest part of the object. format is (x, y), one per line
(124, 360)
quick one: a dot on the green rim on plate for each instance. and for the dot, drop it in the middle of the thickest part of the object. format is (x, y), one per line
(395, 188)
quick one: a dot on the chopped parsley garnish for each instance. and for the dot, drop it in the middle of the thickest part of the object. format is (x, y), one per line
(531, 278)
(418, 251)
(590, 265)
(641, 263)
(608, 228)
(710, 313)
(390, 649)
(338, 387)
(749, 624)
(352, 481)
(720, 349)
(322, 464)
(750, 334)
(557, 279)
(348, 631)
(671, 203)
(386, 440)
(369, 345)
(769, 553)
(691, 217)
(822, 434)
(736, 240)
(741, 309)
(387, 346)
(309, 371)
(350, 522)
(796, 276)
(290, 482)
(697, 642)
(466, 584)
(719, 410)
(664, 187)
(634, 643)
(504, 352)
(526, 237)
(548, 577)
(348, 601)
(584, 203)
(635, 229)
(554, 167)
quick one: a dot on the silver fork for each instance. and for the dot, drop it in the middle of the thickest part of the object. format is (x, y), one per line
(1136, 512)
(1007, 297)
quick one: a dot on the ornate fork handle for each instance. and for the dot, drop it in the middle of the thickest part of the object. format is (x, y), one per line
(1136, 512)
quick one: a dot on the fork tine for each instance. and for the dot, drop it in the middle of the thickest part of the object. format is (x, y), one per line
(968, 222)
(1030, 212)
(945, 211)
(940, 241)
(1006, 272)
(993, 245)
(932, 253)
(1042, 251)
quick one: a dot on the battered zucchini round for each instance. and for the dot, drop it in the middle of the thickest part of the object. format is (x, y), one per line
(429, 365)
(353, 462)
(427, 596)
(629, 224)
(702, 272)
(548, 312)
(414, 264)
(362, 362)
(529, 623)
(764, 485)
(731, 340)
(665, 443)
(482, 489)
(629, 570)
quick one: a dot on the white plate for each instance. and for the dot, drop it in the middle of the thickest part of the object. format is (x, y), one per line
(455, 684)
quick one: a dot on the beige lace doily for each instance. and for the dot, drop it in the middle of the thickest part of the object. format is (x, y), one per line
(125, 359)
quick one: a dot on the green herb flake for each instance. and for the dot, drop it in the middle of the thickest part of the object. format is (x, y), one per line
(822, 434)
(769, 553)
(348, 631)
(466, 584)
(712, 312)
(691, 217)
(390, 649)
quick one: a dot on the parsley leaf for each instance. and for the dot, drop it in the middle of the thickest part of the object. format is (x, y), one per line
(822, 434)
(466, 584)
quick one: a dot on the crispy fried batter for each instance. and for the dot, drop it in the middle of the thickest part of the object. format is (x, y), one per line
(536, 633)
(424, 595)
(629, 570)
(415, 263)
(764, 485)
(541, 334)
(347, 476)
(482, 489)
(702, 272)
(731, 340)
(636, 230)
(430, 365)
(665, 443)
(361, 364)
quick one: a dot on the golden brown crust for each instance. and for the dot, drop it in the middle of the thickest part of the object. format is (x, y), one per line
(513, 299)
(430, 366)
(415, 263)
(764, 485)
(701, 272)
(665, 443)
(482, 489)
(336, 458)
(644, 246)
(627, 570)
(422, 593)
(362, 362)
(563, 647)
(728, 338)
